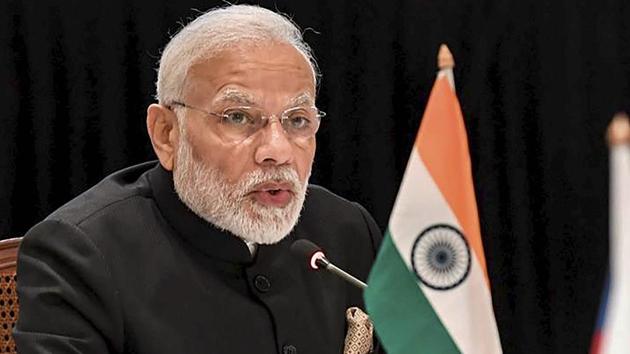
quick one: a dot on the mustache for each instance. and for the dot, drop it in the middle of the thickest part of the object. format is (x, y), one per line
(282, 174)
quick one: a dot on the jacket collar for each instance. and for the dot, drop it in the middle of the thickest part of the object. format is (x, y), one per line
(199, 233)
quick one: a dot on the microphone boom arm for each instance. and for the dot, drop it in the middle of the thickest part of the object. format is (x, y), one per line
(325, 263)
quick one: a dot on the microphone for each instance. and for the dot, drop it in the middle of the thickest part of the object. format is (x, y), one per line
(305, 249)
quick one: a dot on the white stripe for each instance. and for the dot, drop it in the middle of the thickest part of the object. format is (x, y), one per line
(466, 311)
(617, 327)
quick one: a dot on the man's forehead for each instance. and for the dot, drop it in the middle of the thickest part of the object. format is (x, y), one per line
(234, 95)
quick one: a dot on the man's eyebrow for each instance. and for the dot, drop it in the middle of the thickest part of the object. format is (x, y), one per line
(235, 96)
(301, 100)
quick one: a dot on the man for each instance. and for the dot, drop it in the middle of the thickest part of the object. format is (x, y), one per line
(191, 254)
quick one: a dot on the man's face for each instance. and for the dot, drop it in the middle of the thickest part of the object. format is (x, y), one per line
(253, 187)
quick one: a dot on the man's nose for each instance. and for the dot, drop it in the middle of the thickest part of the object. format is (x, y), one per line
(275, 147)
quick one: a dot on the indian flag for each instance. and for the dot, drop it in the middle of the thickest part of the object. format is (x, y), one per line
(428, 291)
(612, 335)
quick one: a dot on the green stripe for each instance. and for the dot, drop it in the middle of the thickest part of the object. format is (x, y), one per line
(403, 318)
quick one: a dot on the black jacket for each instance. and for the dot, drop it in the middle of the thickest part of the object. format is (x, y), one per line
(127, 268)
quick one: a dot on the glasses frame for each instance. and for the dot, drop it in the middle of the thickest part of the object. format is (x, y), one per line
(266, 117)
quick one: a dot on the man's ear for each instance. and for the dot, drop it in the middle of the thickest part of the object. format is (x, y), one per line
(163, 130)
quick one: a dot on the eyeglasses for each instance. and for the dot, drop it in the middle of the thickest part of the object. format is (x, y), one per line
(236, 124)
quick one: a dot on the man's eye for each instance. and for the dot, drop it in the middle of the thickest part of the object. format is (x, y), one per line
(237, 117)
(298, 121)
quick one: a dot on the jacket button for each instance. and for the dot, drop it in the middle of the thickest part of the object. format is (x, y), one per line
(289, 349)
(262, 283)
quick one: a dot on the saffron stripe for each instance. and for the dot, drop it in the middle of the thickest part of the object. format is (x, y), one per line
(443, 147)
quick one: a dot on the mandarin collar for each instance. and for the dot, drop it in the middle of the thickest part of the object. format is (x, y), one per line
(199, 233)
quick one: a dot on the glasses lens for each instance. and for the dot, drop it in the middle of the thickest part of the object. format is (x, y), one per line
(301, 122)
(238, 123)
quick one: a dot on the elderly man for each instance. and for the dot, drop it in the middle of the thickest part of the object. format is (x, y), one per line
(191, 254)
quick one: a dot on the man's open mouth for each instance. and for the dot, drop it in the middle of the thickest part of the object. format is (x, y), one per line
(276, 194)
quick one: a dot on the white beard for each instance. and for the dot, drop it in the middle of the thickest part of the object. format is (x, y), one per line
(208, 194)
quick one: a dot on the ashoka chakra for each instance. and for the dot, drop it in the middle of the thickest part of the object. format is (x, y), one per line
(441, 257)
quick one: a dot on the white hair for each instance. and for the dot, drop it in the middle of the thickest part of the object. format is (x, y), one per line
(217, 30)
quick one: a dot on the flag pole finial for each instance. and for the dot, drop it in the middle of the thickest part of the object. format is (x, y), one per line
(619, 130)
(445, 58)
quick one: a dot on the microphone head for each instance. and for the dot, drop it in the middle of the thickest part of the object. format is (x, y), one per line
(307, 250)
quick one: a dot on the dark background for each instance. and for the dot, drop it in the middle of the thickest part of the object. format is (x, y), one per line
(538, 83)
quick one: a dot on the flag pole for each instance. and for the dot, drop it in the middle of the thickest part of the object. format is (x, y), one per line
(445, 58)
(446, 63)
(619, 130)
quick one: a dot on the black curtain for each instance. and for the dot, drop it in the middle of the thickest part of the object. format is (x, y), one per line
(538, 82)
